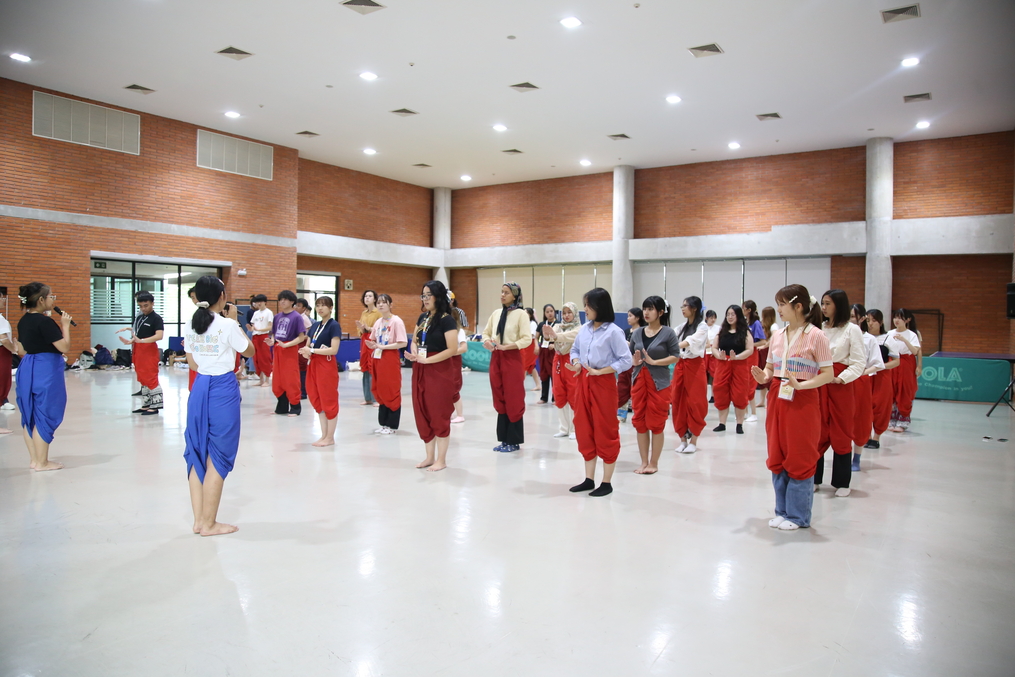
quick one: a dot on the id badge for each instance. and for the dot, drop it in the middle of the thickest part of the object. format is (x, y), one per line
(786, 391)
(377, 353)
(421, 352)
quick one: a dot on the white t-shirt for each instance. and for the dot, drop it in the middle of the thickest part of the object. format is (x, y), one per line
(713, 331)
(5, 327)
(215, 350)
(261, 321)
(891, 343)
(899, 345)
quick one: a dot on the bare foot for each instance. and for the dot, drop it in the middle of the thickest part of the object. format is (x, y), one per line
(50, 465)
(536, 388)
(5, 431)
(437, 467)
(376, 405)
(265, 384)
(650, 470)
(425, 463)
(32, 465)
(218, 529)
(364, 403)
(641, 469)
(197, 528)
(323, 443)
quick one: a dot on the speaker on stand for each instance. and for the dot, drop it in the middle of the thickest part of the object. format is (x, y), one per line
(1011, 300)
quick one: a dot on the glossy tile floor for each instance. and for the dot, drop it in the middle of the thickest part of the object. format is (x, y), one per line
(351, 562)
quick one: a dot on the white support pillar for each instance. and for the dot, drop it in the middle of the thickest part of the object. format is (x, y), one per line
(442, 227)
(880, 192)
(623, 233)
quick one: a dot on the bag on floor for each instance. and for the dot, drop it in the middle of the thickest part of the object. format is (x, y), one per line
(123, 357)
(103, 357)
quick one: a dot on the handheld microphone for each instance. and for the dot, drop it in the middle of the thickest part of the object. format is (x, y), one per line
(72, 322)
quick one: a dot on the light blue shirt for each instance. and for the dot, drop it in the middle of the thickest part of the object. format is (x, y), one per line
(601, 348)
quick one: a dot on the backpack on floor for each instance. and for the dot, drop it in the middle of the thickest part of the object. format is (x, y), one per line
(122, 357)
(102, 356)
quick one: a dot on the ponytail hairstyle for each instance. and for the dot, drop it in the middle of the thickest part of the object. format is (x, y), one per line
(878, 317)
(208, 290)
(32, 294)
(692, 325)
(710, 313)
(767, 320)
(841, 302)
(751, 312)
(661, 307)
(638, 315)
(532, 314)
(861, 315)
(441, 305)
(741, 326)
(908, 317)
(793, 294)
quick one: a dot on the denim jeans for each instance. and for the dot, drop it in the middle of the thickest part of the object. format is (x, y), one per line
(368, 395)
(793, 498)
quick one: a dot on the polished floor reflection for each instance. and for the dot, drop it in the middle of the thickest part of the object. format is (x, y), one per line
(351, 562)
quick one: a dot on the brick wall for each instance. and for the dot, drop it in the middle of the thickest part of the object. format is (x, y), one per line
(960, 176)
(849, 275)
(338, 201)
(464, 283)
(751, 194)
(572, 209)
(403, 283)
(163, 183)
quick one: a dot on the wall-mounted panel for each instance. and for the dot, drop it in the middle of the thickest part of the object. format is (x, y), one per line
(762, 279)
(577, 281)
(683, 279)
(648, 280)
(815, 274)
(547, 287)
(724, 284)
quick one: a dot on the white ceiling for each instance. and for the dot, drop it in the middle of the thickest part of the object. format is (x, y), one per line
(832, 69)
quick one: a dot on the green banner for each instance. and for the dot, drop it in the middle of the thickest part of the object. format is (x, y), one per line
(476, 358)
(947, 378)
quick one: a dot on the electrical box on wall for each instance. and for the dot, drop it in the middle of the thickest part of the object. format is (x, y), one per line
(348, 285)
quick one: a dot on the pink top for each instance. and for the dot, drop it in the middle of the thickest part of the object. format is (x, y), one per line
(390, 331)
(809, 352)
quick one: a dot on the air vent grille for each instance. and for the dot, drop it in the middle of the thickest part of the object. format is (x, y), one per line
(363, 6)
(524, 87)
(55, 117)
(235, 156)
(900, 13)
(705, 50)
(618, 137)
(769, 116)
(307, 133)
(421, 164)
(405, 112)
(140, 89)
(512, 151)
(915, 98)
(234, 53)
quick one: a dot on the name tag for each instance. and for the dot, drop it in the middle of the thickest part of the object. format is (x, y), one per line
(377, 353)
(421, 351)
(786, 391)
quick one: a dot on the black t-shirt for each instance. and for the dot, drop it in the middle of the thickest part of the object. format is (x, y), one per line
(322, 337)
(145, 326)
(38, 333)
(435, 342)
(734, 342)
(648, 340)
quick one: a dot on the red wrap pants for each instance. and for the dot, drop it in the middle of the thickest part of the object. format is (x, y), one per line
(881, 400)
(262, 354)
(387, 380)
(507, 383)
(457, 361)
(651, 406)
(905, 385)
(595, 417)
(528, 358)
(733, 383)
(863, 413)
(322, 384)
(689, 396)
(287, 373)
(760, 359)
(710, 363)
(146, 364)
(546, 363)
(793, 429)
(366, 355)
(433, 404)
(565, 382)
(191, 378)
(838, 408)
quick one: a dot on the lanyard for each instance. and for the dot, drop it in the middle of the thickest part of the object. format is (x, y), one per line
(317, 334)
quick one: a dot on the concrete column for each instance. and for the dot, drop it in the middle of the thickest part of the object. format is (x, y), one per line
(442, 226)
(880, 192)
(623, 233)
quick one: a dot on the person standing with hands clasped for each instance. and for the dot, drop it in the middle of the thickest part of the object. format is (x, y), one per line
(507, 334)
(733, 351)
(904, 379)
(799, 363)
(287, 333)
(386, 338)
(565, 381)
(654, 348)
(690, 383)
(600, 351)
(323, 340)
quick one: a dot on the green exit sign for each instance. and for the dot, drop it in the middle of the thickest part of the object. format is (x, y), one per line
(99, 264)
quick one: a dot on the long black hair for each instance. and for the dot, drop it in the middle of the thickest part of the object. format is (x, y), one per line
(741, 328)
(441, 305)
(793, 294)
(907, 317)
(640, 316)
(841, 302)
(692, 324)
(32, 293)
(209, 289)
(861, 315)
(660, 306)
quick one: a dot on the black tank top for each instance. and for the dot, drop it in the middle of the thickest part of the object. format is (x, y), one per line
(732, 342)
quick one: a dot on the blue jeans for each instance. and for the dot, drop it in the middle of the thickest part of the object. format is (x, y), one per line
(793, 498)
(368, 395)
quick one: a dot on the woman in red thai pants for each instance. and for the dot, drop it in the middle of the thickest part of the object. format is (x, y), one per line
(287, 334)
(654, 348)
(733, 352)
(882, 390)
(757, 331)
(564, 380)
(386, 338)
(689, 403)
(508, 334)
(635, 319)
(598, 354)
(260, 328)
(145, 334)
(904, 379)
(546, 352)
(864, 414)
(364, 325)
(799, 363)
(323, 340)
(838, 399)
(433, 375)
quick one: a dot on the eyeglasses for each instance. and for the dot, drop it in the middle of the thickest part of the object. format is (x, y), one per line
(424, 297)
(52, 296)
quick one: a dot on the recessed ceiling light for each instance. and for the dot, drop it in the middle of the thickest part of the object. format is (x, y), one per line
(571, 22)
(673, 98)
(499, 128)
(21, 57)
(910, 62)
(369, 151)
(232, 114)
(922, 124)
(466, 177)
(734, 145)
(367, 75)
(586, 163)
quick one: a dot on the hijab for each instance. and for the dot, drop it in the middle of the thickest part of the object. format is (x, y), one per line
(574, 323)
(516, 291)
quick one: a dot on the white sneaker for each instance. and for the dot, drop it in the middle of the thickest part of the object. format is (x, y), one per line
(572, 436)
(786, 525)
(681, 445)
(380, 431)
(458, 419)
(753, 418)
(561, 435)
(776, 521)
(842, 492)
(7, 406)
(689, 449)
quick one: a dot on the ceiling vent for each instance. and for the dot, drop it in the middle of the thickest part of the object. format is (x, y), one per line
(404, 112)
(705, 50)
(914, 98)
(512, 151)
(524, 87)
(234, 53)
(618, 137)
(769, 116)
(307, 134)
(363, 6)
(140, 89)
(900, 13)
(421, 164)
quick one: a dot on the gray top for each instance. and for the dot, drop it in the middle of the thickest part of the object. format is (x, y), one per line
(664, 344)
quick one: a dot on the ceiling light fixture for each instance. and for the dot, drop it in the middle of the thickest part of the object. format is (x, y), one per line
(910, 62)
(673, 98)
(586, 163)
(734, 145)
(369, 151)
(232, 114)
(367, 75)
(21, 57)
(922, 124)
(571, 22)
(499, 128)
(466, 177)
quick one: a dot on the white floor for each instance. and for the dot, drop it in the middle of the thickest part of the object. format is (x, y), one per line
(349, 561)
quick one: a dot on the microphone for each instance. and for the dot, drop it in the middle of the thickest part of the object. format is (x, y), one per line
(72, 322)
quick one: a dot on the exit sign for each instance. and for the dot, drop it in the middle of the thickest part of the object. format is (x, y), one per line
(99, 264)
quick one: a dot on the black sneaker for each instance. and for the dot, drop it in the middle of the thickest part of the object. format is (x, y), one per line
(137, 394)
(295, 409)
(282, 408)
(872, 444)
(149, 412)
(740, 429)
(719, 428)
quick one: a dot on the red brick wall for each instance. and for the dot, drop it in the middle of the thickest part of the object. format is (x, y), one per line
(849, 274)
(59, 255)
(750, 195)
(573, 209)
(163, 183)
(338, 201)
(960, 176)
(464, 283)
(403, 283)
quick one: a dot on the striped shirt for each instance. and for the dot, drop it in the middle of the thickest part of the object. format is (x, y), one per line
(810, 352)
